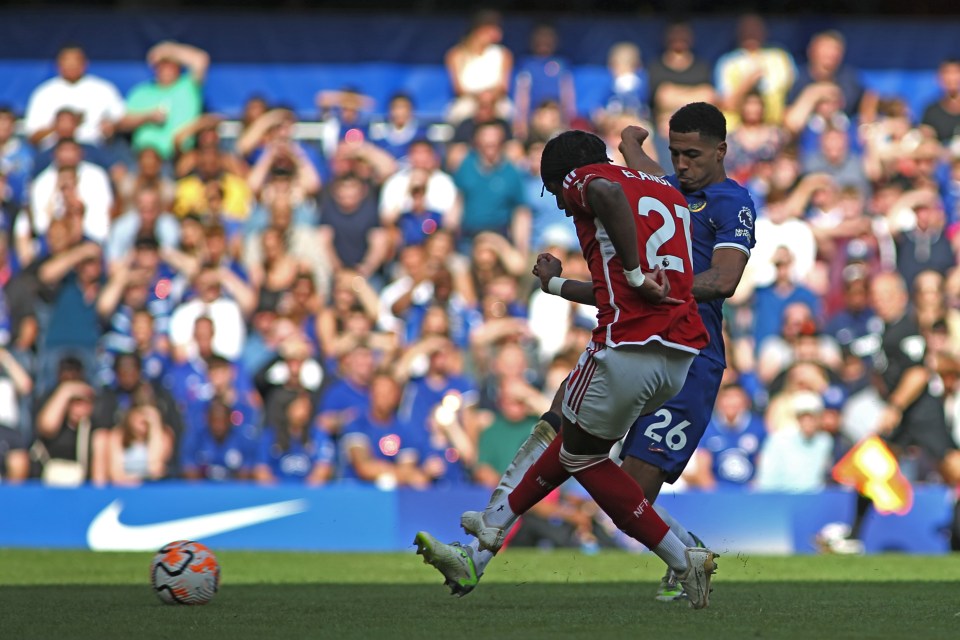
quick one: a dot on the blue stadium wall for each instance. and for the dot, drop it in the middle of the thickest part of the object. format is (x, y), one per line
(357, 518)
(289, 56)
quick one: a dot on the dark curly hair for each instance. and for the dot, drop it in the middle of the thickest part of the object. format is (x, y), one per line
(568, 151)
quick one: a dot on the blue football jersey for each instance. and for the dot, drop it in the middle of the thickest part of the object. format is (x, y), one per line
(722, 216)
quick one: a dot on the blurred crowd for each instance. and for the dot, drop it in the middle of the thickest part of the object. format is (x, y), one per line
(357, 305)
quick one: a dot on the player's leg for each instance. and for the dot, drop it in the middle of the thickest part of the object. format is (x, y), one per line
(659, 446)
(606, 393)
(462, 564)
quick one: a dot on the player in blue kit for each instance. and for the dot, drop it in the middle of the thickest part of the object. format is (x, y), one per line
(658, 446)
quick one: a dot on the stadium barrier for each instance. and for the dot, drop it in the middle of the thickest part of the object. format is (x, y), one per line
(360, 518)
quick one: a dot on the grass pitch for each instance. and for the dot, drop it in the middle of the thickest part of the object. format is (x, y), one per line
(525, 594)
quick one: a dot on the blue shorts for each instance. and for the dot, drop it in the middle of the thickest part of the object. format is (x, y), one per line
(668, 437)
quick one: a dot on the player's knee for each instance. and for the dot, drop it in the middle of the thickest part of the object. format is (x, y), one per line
(649, 477)
(575, 463)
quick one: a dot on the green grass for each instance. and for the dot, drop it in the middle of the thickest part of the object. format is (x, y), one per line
(525, 594)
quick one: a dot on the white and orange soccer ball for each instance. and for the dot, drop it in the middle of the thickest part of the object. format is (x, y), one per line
(185, 572)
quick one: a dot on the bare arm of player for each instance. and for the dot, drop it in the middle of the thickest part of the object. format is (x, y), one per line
(723, 276)
(549, 267)
(631, 146)
(609, 204)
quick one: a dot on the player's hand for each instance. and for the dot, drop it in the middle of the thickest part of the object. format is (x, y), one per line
(547, 266)
(656, 288)
(633, 133)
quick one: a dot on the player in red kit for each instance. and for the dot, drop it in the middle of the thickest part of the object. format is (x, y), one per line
(634, 230)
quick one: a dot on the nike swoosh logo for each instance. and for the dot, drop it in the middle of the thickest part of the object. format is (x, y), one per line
(107, 533)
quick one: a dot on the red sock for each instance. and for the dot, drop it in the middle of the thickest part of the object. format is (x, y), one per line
(544, 476)
(622, 499)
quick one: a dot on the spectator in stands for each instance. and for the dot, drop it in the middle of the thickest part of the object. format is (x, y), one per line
(96, 100)
(124, 295)
(478, 63)
(925, 247)
(193, 194)
(401, 128)
(71, 180)
(463, 134)
(228, 323)
(129, 389)
(836, 159)
(291, 450)
(147, 173)
(491, 189)
(220, 449)
(62, 453)
(547, 228)
(283, 156)
(511, 424)
(147, 218)
(943, 116)
(771, 301)
(290, 372)
(856, 320)
(16, 162)
(16, 386)
(731, 444)
(140, 447)
(204, 130)
(345, 117)
(752, 141)
(277, 272)
(350, 231)
(629, 84)
(796, 459)
(416, 224)
(447, 450)
(74, 278)
(440, 191)
(348, 397)
(754, 65)
(678, 77)
(431, 373)
(283, 209)
(825, 54)
(378, 446)
(156, 110)
(66, 123)
(543, 76)
(352, 295)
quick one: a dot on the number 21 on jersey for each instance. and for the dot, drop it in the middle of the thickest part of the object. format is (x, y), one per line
(649, 205)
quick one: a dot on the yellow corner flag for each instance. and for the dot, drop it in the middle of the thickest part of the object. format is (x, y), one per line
(871, 468)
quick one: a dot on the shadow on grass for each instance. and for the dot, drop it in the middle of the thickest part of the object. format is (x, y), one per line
(527, 610)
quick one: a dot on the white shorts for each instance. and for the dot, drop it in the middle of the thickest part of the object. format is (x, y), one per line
(611, 387)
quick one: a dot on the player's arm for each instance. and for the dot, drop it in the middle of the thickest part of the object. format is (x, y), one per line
(631, 146)
(723, 276)
(549, 268)
(608, 202)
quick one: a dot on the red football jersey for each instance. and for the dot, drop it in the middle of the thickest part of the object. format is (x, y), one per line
(663, 237)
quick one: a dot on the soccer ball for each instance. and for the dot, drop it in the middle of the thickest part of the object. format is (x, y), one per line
(185, 572)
